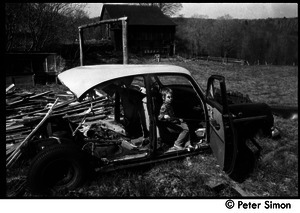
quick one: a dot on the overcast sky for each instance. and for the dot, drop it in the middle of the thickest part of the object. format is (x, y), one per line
(235, 10)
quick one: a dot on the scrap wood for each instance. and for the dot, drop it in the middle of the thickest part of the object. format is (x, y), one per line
(31, 106)
(99, 110)
(49, 98)
(19, 126)
(17, 135)
(17, 152)
(14, 137)
(102, 116)
(22, 132)
(16, 101)
(98, 99)
(13, 96)
(41, 110)
(91, 118)
(14, 141)
(10, 148)
(39, 95)
(40, 100)
(242, 192)
(80, 124)
(62, 113)
(25, 109)
(72, 110)
(65, 96)
(83, 107)
(27, 103)
(36, 108)
(24, 120)
(22, 93)
(12, 99)
(9, 87)
(76, 105)
(24, 128)
(24, 99)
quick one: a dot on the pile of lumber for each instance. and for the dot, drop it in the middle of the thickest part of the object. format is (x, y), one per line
(25, 111)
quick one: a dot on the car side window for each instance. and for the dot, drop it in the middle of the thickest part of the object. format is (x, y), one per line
(138, 81)
(173, 79)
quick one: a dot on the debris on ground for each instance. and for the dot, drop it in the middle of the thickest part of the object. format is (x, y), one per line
(25, 111)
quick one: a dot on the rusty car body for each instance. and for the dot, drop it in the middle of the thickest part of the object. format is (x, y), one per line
(116, 140)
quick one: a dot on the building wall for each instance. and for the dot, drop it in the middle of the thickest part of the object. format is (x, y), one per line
(147, 39)
(142, 39)
(151, 39)
(29, 68)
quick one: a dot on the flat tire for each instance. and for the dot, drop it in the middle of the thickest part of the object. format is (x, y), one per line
(58, 167)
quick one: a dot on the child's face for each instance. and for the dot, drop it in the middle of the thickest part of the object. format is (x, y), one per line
(168, 98)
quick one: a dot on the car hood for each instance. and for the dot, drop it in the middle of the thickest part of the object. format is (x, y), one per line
(80, 79)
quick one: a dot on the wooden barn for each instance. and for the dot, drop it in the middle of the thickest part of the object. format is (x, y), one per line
(149, 30)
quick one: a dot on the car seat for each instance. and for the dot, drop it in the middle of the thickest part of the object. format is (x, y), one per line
(166, 135)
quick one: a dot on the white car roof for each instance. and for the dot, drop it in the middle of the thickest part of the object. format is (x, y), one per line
(80, 79)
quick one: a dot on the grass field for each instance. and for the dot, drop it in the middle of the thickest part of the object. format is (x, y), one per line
(276, 174)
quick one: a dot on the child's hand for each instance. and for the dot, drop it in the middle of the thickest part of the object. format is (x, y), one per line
(167, 117)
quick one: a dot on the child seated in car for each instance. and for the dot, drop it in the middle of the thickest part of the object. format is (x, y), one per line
(172, 123)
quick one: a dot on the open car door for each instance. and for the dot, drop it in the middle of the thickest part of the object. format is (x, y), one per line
(223, 137)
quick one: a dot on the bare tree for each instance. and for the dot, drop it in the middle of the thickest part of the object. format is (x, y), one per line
(13, 23)
(31, 26)
(198, 29)
(169, 9)
(225, 35)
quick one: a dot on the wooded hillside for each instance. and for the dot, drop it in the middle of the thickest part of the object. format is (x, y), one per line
(259, 41)
(48, 27)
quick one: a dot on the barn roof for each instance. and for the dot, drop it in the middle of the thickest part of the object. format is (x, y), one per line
(137, 15)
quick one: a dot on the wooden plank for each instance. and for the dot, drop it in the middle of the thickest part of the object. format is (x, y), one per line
(9, 88)
(28, 98)
(99, 117)
(242, 192)
(124, 40)
(102, 22)
(16, 154)
(29, 108)
(19, 126)
(41, 110)
(17, 130)
(17, 134)
(40, 94)
(96, 111)
(81, 45)
(70, 110)
(15, 140)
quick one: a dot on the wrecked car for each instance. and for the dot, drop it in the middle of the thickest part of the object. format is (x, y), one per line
(123, 129)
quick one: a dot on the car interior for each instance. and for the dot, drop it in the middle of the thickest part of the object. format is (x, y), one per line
(186, 105)
(133, 125)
